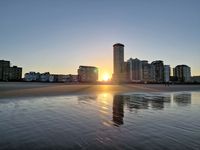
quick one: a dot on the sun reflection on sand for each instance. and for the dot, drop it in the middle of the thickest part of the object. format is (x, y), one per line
(105, 103)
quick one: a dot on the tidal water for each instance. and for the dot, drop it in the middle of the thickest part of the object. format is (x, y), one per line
(152, 121)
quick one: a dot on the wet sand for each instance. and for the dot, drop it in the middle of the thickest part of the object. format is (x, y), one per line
(27, 89)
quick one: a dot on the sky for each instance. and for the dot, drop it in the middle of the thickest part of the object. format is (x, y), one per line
(59, 35)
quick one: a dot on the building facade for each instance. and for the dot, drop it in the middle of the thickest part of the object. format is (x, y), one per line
(32, 76)
(44, 77)
(148, 72)
(166, 73)
(15, 73)
(135, 70)
(4, 70)
(182, 73)
(88, 74)
(159, 70)
(119, 66)
(8, 73)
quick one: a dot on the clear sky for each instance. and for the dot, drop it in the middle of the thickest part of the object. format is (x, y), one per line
(59, 35)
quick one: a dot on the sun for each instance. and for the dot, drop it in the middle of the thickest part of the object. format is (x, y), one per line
(106, 77)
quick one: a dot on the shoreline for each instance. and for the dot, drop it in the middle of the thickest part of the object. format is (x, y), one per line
(35, 89)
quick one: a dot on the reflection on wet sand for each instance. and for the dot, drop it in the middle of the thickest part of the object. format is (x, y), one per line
(182, 99)
(142, 101)
(135, 102)
(158, 101)
(145, 101)
(87, 98)
(102, 121)
(118, 109)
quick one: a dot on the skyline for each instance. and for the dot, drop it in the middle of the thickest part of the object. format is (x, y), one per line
(58, 36)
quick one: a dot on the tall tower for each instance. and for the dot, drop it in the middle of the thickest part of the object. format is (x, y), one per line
(118, 63)
(118, 58)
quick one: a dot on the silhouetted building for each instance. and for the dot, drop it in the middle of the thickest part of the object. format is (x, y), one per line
(166, 73)
(4, 70)
(119, 66)
(15, 73)
(183, 73)
(8, 73)
(88, 74)
(118, 58)
(148, 71)
(159, 70)
(135, 70)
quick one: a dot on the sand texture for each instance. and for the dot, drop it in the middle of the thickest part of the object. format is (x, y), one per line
(26, 89)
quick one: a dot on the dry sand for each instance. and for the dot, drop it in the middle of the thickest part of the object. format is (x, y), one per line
(27, 89)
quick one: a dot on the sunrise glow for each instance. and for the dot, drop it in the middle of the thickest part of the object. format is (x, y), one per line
(106, 77)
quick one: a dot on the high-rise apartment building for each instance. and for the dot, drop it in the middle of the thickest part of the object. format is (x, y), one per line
(4, 70)
(148, 72)
(118, 58)
(182, 73)
(8, 73)
(119, 66)
(166, 73)
(135, 70)
(159, 70)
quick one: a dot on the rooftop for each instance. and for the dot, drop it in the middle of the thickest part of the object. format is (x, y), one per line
(87, 67)
(118, 44)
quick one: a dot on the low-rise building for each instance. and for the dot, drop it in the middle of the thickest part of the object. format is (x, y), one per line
(32, 76)
(195, 79)
(88, 74)
(44, 77)
(53, 78)
(47, 77)
(62, 78)
(72, 78)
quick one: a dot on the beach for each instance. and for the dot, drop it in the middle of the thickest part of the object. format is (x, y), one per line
(84, 116)
(33, 89)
